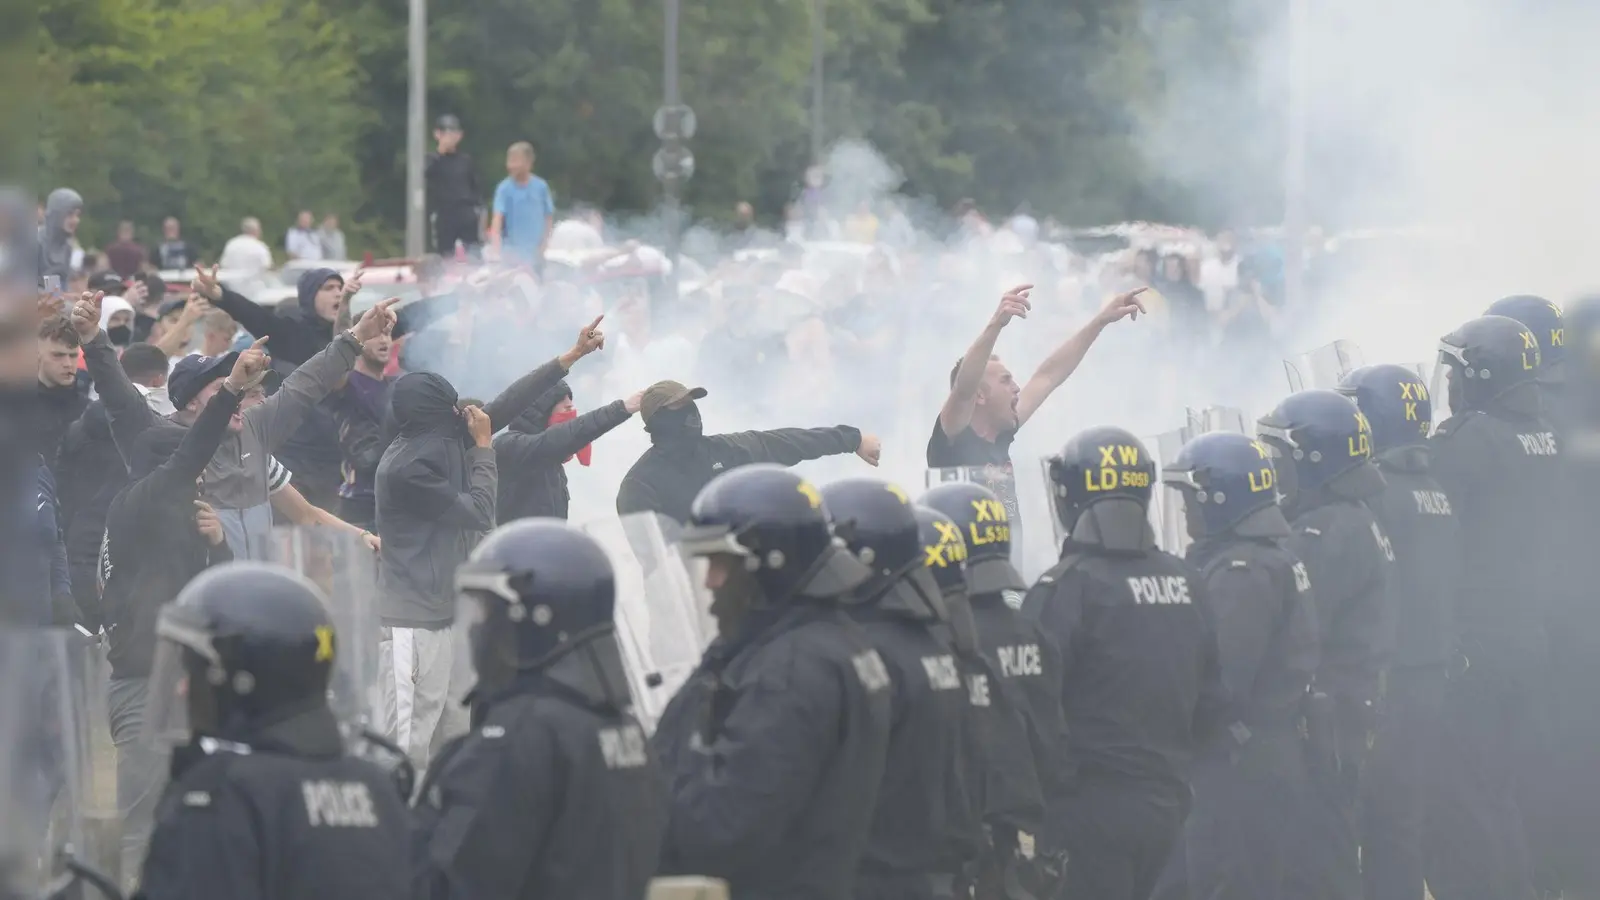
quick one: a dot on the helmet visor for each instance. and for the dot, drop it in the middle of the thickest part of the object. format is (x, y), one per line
(168, 703)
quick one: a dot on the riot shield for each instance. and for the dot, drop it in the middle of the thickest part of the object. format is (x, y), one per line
(346, 571)
(1166, 507)
(46, 764)
(1025, 493)
(1323, 367)
(663, 614)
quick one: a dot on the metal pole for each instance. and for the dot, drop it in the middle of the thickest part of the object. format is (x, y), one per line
(1294, 175)
(819, 41)
(416, 116)
(670, 84)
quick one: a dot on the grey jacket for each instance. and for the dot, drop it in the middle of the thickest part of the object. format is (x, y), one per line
(236, 481)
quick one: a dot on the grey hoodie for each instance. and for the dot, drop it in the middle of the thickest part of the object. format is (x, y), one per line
(55, 245)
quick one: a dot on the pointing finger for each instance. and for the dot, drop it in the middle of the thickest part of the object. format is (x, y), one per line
(596, 323)
(259, 342)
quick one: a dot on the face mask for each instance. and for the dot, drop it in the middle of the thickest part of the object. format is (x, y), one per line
(120, 335)
(677, 424)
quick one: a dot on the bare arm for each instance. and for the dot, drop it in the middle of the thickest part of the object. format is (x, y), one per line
(176, 339)
(497, 224)
(957, 410)
(1064, 360)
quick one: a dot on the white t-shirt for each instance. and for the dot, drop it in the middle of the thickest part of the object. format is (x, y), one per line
(245, 254)
(1217, 278)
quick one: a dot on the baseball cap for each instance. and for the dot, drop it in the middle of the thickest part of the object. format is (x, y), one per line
(666, 393)
(168, 307)
(108, 281)
(447, 122)
(192, 373)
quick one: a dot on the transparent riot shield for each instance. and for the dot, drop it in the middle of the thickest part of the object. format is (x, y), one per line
(1323, 367)
(1025, 493)
(346, 571)
(663, 614)
(1166, 506)
(46, 766)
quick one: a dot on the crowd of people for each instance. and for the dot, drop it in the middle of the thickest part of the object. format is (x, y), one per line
(1361, 667)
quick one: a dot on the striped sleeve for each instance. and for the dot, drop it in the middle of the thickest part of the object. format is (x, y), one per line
(278, 477)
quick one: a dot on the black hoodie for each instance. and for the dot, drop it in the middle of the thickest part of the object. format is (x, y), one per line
(59, 407)
(532, 455)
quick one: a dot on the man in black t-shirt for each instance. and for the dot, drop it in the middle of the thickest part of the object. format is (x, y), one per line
(986, 406)
(453, 192)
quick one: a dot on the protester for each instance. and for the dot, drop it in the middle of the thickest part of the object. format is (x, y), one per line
(358, 411)
(61, 398)
(245, 253)
(62, 212)
(301, 240)
(116, 320)
(174, 333)
(173, 253)
(331, 238)
(533, 451)
(453, 194)
(682, 459)
(160, 534)
(63, 608)
(524, 210)
(218, 333)
(125, 254)
(435, 495)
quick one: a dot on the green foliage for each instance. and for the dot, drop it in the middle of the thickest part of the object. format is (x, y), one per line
(213, 109)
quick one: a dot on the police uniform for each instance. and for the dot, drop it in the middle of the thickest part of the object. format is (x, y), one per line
(775, 746)
(927, 827)
(264, 800)
(1499, 463)
(1416, 515)
(1251, 781)
(554, 793)
(1324, 466)
(1140, 680)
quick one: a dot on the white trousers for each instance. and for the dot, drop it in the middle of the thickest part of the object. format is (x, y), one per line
(423, 678)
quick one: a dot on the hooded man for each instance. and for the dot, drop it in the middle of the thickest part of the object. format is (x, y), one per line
(436, 487)
(535, 449)
(116, 320)
(62, 212)
(683, 459)
(297, 333)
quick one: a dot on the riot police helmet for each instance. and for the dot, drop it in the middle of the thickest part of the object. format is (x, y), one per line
(775, 522)
(1545, 320)
(1316, 437)
(1225, 479)
(944, 552)
(1483, 360)
(985, 526)
(1100, 464)
(1395, 401)
(876, 521)
(532, 591)
(243, 645)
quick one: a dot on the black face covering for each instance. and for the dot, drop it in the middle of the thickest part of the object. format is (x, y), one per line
(120, 335)
(682, 424)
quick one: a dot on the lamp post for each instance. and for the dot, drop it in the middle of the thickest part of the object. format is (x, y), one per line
(673, 164)
(416, 115)
(819, 35)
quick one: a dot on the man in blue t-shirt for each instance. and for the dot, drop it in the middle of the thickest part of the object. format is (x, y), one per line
(523, 210)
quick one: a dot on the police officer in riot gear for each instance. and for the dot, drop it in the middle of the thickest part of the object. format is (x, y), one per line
(1251, 781)
(264, 800)
(1027, 663)
(775, 746)
(1545, 320)
(554, 792)
(1499, 462)
(1140, 681)
(1416, 515)
(1322, 446)
(928, 825)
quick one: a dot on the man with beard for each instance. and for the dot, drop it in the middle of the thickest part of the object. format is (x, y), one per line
(62, 211)
(534, 451)
(297, 334)
(61, 399)
(358, 410)
(682, 459)
(435, 490)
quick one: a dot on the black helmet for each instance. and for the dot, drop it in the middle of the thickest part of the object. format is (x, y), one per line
(1484, 359)
(1098, 464)
(1395, 401)
(256, 644)
(986, 528)
(776, 521)
(875, 520)
(544, 589)
(944, 553)
(1541, 317)
(1316, 436)
(1225, 478)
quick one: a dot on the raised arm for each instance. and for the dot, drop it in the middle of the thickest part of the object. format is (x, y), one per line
(125, 406)
(957, 410)
(525, 391)
(558, 442)
(791, 446)
(252, 317)
(1064, 360)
